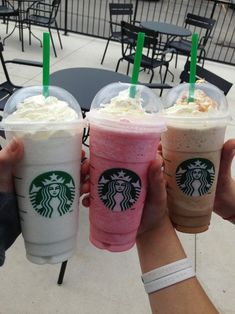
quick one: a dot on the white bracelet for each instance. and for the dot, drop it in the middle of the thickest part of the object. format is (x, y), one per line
(167, 275)
(166, 270)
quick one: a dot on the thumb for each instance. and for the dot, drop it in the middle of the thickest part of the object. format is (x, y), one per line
(227, 156)
(156, 183)
(9, 156)
(12, 152)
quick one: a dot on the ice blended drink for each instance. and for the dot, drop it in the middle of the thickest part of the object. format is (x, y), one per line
(124, 136)
(47, 178)
(191, 149)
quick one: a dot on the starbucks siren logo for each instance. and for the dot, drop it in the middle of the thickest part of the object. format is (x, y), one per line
(119, 188)
(195, 176)
(52, 193)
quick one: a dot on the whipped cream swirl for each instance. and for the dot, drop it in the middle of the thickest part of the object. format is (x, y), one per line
(41, 109)
(202, 105)
(123, 105)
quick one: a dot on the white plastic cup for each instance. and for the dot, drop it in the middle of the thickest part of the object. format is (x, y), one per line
(191, 149)
(122, 145)
(47, 179)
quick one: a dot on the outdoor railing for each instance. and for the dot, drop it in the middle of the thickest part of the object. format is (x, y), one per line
(91, 17)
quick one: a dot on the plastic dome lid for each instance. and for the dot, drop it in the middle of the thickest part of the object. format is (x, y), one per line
(201, 93)
(26, 92)
(115, 108)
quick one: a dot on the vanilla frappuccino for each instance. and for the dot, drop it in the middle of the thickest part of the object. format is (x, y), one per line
(47, 179)
(191, 149)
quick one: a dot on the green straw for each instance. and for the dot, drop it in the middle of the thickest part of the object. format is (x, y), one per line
(193, 64)
(46, 64)
(137, 61)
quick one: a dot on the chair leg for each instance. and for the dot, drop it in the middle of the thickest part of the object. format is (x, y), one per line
(202, 57)
(151, 78)
(118, 64)
(160, 73)
(127, 46)
(172, 75)
(7, 25)
(29, 34)
(105, 50)
(167, 69)
(36, 38)
(176, 59)
(58, 33)
(164, 78)
(128, 68)
(21, 33)
(4, 39)
(52, 41)
(62, 272)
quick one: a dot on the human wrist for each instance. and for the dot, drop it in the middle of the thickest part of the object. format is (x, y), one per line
(6, 185)
(167, 275)
(159, 246)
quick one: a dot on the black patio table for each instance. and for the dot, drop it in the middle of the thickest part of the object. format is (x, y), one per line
(167, 29)
(170, 30)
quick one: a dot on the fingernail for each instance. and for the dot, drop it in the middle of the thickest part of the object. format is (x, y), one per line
(13, 145)
(83, 159)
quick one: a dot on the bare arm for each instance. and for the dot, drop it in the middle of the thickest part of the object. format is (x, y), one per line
(158, 245)
(225, 192)
(161, 246)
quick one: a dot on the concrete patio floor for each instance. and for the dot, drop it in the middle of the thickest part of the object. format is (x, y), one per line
(98, 282)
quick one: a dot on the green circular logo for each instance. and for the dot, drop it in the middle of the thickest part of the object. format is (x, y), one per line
(119, 189)
(195, 176)
(52, 193)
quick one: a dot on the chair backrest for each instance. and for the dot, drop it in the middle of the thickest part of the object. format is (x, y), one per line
(203, 24)
(202, 73)
(55, 7)
(7, 9)
(119, 12)
(130, 35)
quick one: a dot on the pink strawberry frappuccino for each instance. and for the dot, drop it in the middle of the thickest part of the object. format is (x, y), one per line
(124, 136)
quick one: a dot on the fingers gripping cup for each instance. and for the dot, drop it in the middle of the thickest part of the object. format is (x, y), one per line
(47, 178)
(124, 136)
(191, 149)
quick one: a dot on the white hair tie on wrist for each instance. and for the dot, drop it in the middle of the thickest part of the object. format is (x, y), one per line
(167, 275)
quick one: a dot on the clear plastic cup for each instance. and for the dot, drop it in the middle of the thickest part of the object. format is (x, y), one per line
(191, 149)
(47, 179)
(123, 142)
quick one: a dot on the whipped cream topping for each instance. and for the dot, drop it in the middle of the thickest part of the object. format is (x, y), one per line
(124, 106)
(41, 109)
(202, 105)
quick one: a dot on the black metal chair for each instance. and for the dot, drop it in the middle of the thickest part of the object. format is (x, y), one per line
(117, 12)
(204, 27)
(43, 14)
(152, 57)
(7, 11)
(202, 73)
(7, 88)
